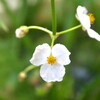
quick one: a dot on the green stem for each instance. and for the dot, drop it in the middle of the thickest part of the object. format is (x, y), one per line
(54, 24)
(29, 68)
(42, 29)
(53, 40)
(68, 30)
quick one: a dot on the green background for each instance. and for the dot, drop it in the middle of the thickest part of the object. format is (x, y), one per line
(82, 78)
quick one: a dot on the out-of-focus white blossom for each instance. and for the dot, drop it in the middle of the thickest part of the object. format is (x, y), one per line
(86, 20)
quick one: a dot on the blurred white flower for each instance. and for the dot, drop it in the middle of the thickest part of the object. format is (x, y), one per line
(21, 32)
(13, 4)
(52, 61)
(86, 20)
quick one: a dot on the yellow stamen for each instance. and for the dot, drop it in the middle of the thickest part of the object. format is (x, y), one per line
(51, 60)
(92, 18)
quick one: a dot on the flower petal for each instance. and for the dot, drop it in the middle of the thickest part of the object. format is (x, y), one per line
(40, 55)
(19, 34)
(81, 10)
(93, 34)
(52, 73)
(83, 17)
(61, 53)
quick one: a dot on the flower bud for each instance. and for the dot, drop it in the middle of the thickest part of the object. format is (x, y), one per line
(22, 76)
(21, 32)
(48, 85)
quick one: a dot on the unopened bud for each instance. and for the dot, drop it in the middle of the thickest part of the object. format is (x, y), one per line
(48, 85)
(22, 76)
(21, 32)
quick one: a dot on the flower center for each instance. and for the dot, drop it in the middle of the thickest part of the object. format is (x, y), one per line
(51, 60)
(92, 18)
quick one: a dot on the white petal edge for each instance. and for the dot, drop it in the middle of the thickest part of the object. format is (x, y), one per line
(81, 10)
(18, 33)
(40, 55)
(83, 17)
(61, 53)
(52, 73)
(93, 34)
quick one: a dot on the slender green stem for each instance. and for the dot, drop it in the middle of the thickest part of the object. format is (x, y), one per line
(54, 23)
(29, 68)
(42, 29)
(68, 30)
(53, 40)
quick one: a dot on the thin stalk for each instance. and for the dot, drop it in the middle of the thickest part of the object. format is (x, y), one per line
(53, 40)
(54, 23)
(29, 68)
(68, 30)
(42, 29)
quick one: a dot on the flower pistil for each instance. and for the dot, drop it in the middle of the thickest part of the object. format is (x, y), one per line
(51, 59)
(92, 18)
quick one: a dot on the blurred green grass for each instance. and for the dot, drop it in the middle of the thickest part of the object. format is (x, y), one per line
(82, 78)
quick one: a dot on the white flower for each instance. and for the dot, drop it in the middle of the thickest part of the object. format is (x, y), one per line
(21, 32)
(52, 61)
(86, 20)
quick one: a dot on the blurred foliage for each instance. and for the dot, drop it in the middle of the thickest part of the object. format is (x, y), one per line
(82, 79)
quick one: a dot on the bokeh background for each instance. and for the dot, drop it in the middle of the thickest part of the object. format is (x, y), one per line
(82, 79)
